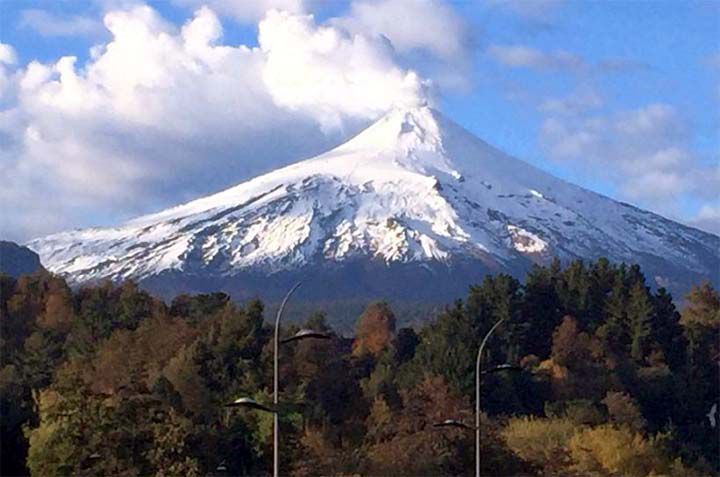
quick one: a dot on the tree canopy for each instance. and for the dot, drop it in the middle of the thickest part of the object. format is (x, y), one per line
(607, 378)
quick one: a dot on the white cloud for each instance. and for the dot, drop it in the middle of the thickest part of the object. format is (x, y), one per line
(521, 56)
(7, 54)
(328, 73)
(245, 10)
(411, 24)
(7, 59)
(49, 25)
(428, 35)
(161, 114)
(708, 218)
(575, 103)
(644, 151)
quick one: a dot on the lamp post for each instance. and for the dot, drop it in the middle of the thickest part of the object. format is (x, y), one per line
(251, 403)
(478, 375)
(276, 419)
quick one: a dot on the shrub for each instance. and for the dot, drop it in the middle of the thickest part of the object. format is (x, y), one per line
(540, 442)
(610, 450)
(579, 411)
(623, 410)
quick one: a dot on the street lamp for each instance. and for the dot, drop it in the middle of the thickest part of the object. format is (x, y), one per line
(453, 423)
(251, 403)
(494, 369)
(478, 374)
(305, 333)
(502, 367)
(478, 377)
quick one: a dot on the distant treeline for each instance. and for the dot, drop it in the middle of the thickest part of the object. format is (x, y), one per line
(608, 379)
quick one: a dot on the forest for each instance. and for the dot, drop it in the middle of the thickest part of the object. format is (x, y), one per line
(607, 377)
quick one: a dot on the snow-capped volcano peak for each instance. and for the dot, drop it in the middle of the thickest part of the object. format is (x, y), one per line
(410, 139)
(402, 130)
(413, 188)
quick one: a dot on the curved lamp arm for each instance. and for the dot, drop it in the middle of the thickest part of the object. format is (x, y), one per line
(478, 376)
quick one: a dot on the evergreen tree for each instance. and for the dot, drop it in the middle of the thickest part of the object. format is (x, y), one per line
(614, 332)
(574, 290)
(602, 277)
(666, 329)
(639, 316)
(448, 348)
(541, 309)
(499, 297)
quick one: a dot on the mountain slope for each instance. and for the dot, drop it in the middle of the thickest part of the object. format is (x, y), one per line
(16, 260)
(412, 192)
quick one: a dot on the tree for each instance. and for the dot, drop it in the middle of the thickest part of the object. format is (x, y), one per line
(614, 332)
(541, 308)
(574, 289)
(408, 444)
(541, 442)
(448, 348)
(375, 330)
(639, 315)
(94, 321)
(199, 307)
(16, 408)
(76, 425)
(574, 370)
(42, 352)
(130, 306)
(609, 450)
(405, 344)
(183, 372)
(497, 298)
(699, 386)
(703, 307)
(570, 346)
(624, 411)
(309, 357)
(58, 314)
(171, 454)
(666, 329)
(602, 277)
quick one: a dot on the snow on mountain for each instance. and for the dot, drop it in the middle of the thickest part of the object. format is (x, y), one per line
(413, 188)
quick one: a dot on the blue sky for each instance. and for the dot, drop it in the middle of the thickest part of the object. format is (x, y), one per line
(621, 97)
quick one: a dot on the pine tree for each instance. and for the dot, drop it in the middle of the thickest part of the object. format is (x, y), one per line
(541, 309)
(497, 298)
(666, 329)
(613, 333)
(639, 315)
(602, 277)
(576, 291)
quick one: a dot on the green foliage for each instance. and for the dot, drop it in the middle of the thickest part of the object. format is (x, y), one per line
(623, 411)
(609, 450)
(540, 442)
(666, 329)
(448, 347)
(541, 308)
(581, 412)
(171, 454)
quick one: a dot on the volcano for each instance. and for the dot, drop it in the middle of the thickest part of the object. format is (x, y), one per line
(414, 207)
